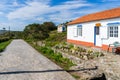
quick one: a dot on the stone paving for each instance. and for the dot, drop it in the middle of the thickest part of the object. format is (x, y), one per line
(109, 65)
(21, 62)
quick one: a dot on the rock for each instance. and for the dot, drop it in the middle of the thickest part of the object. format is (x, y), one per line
(85, 57)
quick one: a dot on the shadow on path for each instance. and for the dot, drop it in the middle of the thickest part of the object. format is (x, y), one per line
(21, 72)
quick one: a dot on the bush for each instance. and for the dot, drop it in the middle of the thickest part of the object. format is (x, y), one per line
(4, 39)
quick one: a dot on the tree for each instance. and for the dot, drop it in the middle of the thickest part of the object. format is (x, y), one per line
(49, 26)
(35, 31)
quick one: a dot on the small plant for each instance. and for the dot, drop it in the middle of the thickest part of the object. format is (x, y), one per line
(89, 51)
(82, 49)
(98, 54)
(71, 46)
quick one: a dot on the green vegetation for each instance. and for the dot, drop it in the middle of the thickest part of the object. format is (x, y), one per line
(16, 34)
(56, 57)
(37, 32)
(3, 39)
(4, 44)
(83, 53)
(76, 76)
(65, 63)
(55, 38)
(48, 34)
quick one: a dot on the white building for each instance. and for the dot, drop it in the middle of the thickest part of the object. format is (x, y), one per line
(96, 30)
(61, 28)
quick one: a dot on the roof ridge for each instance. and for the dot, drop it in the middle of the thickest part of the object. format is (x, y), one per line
(105, 14)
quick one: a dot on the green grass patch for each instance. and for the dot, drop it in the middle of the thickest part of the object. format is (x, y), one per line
(76, 76)
(56, 57)
(3, 45)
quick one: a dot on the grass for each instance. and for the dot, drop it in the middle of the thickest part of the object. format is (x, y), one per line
(55, 38)
(3, 45)
(76, 76)
(65, 63)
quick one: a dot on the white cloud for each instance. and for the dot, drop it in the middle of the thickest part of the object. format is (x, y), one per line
(33, 9)
(1, 13)
(30, 11)
(41, 1)
(15, 3)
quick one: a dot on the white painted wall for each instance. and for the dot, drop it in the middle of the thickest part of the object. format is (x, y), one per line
(88, 31)
(60, 28)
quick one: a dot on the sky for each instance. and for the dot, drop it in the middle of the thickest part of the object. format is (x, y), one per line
(16, 14)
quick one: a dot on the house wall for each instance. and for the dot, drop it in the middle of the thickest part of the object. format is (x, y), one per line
(87, 37)
(60, 28)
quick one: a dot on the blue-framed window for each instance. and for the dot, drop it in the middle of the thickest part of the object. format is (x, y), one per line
(79, 30)
(113, 31)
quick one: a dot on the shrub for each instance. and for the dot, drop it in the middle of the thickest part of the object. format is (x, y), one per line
(4, 39)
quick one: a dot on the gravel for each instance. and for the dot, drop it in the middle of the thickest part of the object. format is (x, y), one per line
(22, 62)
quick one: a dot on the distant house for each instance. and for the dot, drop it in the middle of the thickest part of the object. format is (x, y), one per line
(95, 30)
(61, 28)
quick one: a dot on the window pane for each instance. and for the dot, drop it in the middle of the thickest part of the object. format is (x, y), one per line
(113, 31)
(111, 35)
(79, 31)
(97, 30)
(115, 35)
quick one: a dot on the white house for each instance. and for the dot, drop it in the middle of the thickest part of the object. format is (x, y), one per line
(95, 30)
(61, 28)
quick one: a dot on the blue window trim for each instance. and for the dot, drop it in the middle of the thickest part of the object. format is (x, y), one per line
(115, 23)
(79, 25)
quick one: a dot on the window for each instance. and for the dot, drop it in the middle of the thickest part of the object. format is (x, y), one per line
(79, 31)
(97, 30)
(113, 31)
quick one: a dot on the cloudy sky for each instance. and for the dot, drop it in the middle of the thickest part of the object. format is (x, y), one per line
(19, 13)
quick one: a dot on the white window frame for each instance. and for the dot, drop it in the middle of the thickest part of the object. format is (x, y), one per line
(79, 29)
(113, 31)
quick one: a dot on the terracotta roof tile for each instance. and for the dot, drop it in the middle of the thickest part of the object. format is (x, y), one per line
(107, 14)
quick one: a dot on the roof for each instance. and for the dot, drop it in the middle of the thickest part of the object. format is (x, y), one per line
(107, 14)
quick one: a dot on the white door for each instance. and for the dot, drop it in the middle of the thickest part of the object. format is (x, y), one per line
(98, 41)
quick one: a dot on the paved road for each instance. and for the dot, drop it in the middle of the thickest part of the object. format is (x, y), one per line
(21, 62)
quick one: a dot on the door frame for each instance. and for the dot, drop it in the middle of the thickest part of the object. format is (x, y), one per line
(94, 35)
